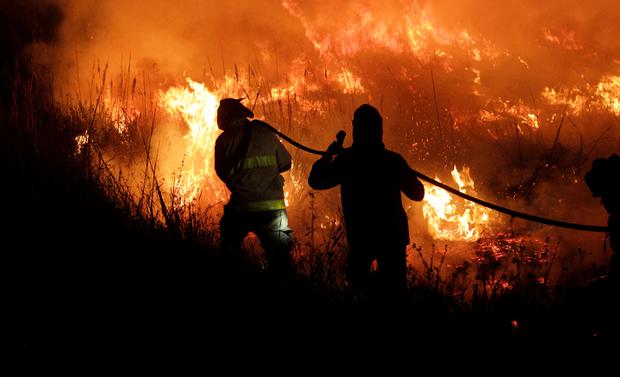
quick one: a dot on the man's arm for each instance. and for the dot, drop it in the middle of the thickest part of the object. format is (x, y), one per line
(283, 157)
(324, 174)
(410, 185)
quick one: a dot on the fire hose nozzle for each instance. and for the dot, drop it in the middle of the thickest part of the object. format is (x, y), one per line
(337, 146)
(340, 137)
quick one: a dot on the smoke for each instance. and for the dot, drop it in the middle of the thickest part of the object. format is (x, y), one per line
(187, 37)
(22, 24)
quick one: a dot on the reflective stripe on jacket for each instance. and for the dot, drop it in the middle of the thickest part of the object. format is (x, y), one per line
(249, 159)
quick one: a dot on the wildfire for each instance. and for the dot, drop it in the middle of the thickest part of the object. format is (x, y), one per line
(197, 106)
(351, 84)
(80, 141)
(521, 113)
(454, 219)
(602, 96)
(563, 38)
(415, 31)
(609, 91)
(121, 116)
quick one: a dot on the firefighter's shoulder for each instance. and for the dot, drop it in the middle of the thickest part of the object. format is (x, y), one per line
(394, 158)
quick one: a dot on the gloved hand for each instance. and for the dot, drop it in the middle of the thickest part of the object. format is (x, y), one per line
(336, 147)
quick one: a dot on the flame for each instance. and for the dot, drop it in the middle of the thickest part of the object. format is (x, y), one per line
(523, 114)
(454, 220)
(608, 89)
(602, 96)
(416, 31)
(563, 38)
(575, 100)
(80, 141)
(351, 84)
(197, 106)
(121, 116)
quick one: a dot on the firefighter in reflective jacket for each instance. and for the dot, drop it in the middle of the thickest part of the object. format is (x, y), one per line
(249, 160)
(371, 180)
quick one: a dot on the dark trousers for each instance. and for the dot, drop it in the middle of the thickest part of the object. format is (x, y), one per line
(271, 228)
(389, 281)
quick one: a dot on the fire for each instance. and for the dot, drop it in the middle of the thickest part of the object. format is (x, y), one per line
(351, 84)
(454, 219)
(121, 115)
(415, 31)
(523, 114)
(602, 96)
(563, 38)
(609, 91)
(575, 100)
(197, 106)
(80, 141)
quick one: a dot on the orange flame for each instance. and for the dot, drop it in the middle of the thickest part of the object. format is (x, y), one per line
(197, 106)
(454, 220)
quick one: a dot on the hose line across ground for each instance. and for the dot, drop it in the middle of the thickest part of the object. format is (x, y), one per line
(495, 207)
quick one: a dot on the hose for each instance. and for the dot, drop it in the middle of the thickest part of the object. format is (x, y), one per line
(512, 213)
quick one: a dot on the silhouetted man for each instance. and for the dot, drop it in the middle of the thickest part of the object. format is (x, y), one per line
(604, 182)
(249, 160)
(371, 180)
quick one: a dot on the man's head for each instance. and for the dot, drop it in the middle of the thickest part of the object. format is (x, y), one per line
(367, 126)
(230, 111)
(604, 181)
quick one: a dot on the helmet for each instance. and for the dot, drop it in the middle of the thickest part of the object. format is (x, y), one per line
(604, 177)
(231, 109)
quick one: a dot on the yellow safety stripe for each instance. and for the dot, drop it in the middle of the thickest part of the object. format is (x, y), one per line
(253, 162)
(265, 205)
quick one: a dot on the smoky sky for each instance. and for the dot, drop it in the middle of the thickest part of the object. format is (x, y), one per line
(191, 36)
(21, 24)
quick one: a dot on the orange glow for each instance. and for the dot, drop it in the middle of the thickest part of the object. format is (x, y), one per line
(350, 83)
(563, 38)
(80, 141)
(447, 78)
(454, 219)
(121, 117)
(608, 89)
(602, 96)
(503, 109)
(197, 106)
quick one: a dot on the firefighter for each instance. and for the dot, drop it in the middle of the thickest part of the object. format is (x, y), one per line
(604, 182)
(250, 159)
(371, 180)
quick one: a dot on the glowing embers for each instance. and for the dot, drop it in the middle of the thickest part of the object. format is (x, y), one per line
(523, 115)
(451, 218)
(197, 106)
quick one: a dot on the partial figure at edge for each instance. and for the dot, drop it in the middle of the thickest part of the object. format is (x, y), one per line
(604, 182)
